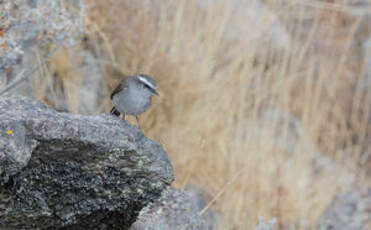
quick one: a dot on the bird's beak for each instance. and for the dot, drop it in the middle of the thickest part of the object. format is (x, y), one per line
(155, 92)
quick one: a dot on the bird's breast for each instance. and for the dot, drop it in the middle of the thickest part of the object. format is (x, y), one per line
(132, 103)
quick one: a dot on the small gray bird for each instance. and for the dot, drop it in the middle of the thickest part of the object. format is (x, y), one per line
(133, 95)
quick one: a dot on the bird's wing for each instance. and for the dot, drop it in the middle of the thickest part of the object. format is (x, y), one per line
(120, 87)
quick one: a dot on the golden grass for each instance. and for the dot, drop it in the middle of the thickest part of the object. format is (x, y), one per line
(266, 131)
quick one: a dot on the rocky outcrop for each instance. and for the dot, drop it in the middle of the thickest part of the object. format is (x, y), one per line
(68, 171)
(30, 34)
(40, 28)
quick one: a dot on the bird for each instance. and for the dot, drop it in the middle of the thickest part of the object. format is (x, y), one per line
(133, 96)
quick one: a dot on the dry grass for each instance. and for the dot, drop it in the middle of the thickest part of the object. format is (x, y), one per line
(274, 132)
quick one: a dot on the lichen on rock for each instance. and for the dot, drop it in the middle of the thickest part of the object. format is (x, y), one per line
(71, 171)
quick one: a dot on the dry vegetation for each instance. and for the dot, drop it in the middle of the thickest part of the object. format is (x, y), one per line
(265, 130)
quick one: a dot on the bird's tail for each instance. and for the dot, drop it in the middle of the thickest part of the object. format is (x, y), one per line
(114, 111)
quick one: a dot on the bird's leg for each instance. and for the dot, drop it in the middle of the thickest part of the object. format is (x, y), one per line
(136, 116)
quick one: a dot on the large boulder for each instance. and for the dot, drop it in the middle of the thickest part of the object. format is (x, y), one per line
(69, 171)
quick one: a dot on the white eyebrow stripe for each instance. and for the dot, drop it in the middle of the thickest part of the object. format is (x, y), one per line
(145, 81)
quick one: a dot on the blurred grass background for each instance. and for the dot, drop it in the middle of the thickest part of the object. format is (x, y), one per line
(264, 104)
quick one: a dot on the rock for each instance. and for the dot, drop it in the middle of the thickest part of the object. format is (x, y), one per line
(349, 211)
(26, 23)
(36, 24)
(175, 210)
(68, 171)
(212, 218)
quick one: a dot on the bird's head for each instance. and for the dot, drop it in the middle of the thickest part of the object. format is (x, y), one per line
(148, 82)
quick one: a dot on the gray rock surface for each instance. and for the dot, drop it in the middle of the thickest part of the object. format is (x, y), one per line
(350, 211)
(25, 23)
(212, 218)
(67, 171)
(28, 31)
(28, 28)
(176, 210)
